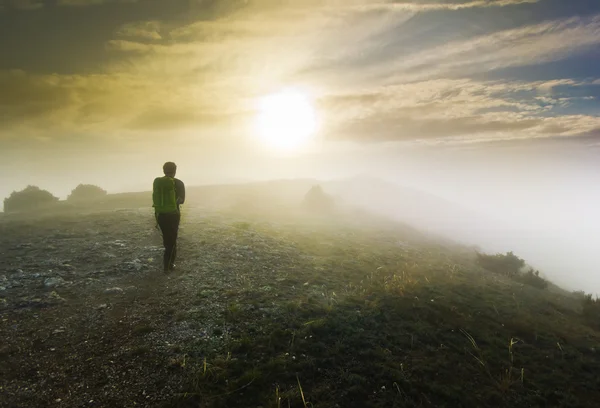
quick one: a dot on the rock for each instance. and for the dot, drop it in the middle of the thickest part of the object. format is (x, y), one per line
(113, 291)
(54, 282)
(55, 296)
(33, 303)
(135, 264)
(102, 306)
(153, 248)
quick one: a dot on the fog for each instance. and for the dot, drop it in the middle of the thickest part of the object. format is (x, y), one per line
(539, 201)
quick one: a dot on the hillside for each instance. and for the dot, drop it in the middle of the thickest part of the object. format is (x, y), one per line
(276, 311)
(420, 209)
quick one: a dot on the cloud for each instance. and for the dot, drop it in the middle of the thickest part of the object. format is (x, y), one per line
(82, 3)
(131, 46)
(60, 106)
(527, 45)
(458, 110)
(39, 4)
(548, 41)
(267, 16)
(431, 5)
(22, 4)
(206, 75)
(465, 130)
(146, 30)
(162, 118)
(363, 5)
(435, 109)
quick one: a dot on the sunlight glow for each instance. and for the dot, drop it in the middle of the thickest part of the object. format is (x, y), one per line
(286, 120)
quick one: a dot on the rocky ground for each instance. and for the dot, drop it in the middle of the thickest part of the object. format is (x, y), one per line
(89, 319)
(273, 313)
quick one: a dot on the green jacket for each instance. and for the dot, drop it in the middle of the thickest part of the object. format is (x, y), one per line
(168, 193)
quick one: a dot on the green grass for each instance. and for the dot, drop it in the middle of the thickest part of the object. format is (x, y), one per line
(333, 315)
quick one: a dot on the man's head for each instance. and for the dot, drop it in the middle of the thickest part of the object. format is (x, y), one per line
(170, 168)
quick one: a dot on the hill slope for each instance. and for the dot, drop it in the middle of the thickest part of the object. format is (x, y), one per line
(273, 312)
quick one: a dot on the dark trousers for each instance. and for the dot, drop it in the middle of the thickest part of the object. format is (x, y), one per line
(169, 225)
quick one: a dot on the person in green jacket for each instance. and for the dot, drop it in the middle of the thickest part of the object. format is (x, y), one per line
(168, 193)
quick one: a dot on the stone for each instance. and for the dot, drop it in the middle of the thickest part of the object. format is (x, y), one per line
(113, 291)
(54, 282)
(55, 296)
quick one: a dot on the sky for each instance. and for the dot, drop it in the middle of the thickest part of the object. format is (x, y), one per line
(490, 103)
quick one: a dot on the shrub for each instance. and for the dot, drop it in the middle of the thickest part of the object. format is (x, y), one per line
(86, 192)
(316, 200)
(508, 265)
(511, 266)
(532, 278)
(591, 309)
(30, 198)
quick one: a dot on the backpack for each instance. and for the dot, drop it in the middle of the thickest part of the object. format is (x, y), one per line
(164, 198)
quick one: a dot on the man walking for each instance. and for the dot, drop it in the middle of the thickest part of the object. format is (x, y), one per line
(168, 193)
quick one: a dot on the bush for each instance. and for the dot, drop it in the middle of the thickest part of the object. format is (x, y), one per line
(591, 310)
(532, 278)
(508, 265)
(86, 192)
(511, 266)
(30, 198)
(316, 200)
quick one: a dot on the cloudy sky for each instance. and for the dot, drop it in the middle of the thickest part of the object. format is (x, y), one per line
(492, 103)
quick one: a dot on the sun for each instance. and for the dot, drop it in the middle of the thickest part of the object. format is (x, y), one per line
(286, 121)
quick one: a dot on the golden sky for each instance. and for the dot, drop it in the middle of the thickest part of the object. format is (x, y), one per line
(97, 81)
